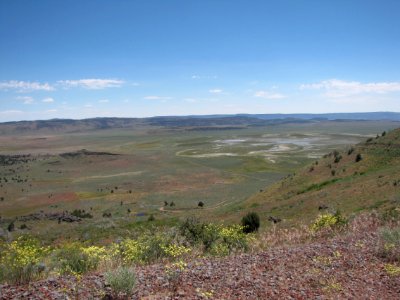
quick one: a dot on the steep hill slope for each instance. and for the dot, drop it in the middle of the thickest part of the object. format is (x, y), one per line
(363, 177)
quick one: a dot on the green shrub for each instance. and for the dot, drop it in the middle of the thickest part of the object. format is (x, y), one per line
(129, 251)
(391, 214)
(146, 248)
(21, 260)
(337, 159)
(121, 280)
(210, 236)
(213, 235)
(11, 226)
(175, 251)
(250, 222)
(328, 221)
(154, 244)
(75, 260)
(216, 239)
(192, 230)
(81, 214)
(228, 240)
(390, 243)
(351, 150)
(234, 237)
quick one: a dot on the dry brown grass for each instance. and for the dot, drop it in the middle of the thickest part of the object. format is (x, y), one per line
(302, 234)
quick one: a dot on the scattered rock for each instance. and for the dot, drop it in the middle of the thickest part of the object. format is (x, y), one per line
(274, 219)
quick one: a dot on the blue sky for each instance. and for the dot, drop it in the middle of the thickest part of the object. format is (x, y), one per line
(79, 59)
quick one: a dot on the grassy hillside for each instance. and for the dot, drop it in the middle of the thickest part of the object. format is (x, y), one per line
(338, 181)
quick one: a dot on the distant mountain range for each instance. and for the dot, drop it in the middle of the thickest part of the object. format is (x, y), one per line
(193, 122)
(372, 116)
(367, 116)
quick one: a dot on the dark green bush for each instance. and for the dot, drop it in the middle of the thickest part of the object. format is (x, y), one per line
(11, 227)
(81, 214)
(250, 222)
(192, 229)
(337, 159)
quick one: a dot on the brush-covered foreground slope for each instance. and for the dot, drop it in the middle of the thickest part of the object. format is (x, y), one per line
(362, 177)
(345, 266)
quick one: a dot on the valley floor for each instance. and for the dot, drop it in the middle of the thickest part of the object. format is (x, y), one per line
(346, 266)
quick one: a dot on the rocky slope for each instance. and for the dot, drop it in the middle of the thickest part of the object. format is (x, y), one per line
(346, 266)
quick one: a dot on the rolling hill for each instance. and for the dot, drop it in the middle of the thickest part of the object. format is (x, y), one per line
(204, 122)
(360, 178)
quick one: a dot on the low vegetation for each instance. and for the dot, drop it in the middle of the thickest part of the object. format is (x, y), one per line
(390, 244)
(122, 280)
(251, 222)
(21, 261)
(25, 259)
(182, 250)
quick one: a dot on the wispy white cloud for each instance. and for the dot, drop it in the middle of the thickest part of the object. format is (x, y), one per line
(157, 98)
(48, 100)
(26, 99)
(339, 88)
(11, 112)
(104, 101)
(91, 83)
(269, 95)
(195, 76)
(25, 86)
(215, 91)
(88, 105)
(51, 111)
